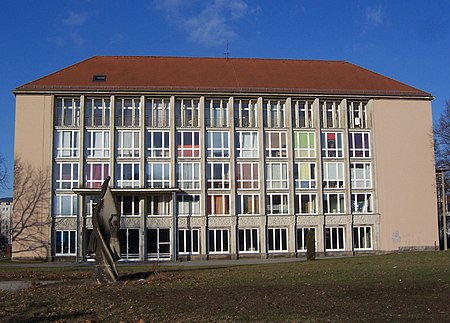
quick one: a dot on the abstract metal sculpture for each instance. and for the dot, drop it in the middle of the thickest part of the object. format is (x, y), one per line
(104, 239)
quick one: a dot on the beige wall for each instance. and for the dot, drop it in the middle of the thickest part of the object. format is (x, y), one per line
(404, 170)
(32, 144)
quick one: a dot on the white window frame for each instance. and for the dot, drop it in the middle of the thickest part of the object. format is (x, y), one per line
(188, 206)
(305, 174)
(367, 203)
(277, 175)
(152, 181)
(193, 180)
(245, 182)
(333, 175)
(253, 201)
(361, 179)
(302, 234)
(328, 151)
(94, 107)
(59, 205)
(362, 238)
(125, 252)
(337, 234)
(216, 202)
(129, 143)
(247, 144)
(188, 241)
(246, 112)
(71, 243)
(275, 113)
(218, 175)
(340, 203)
(310, 150)
(274, 144)
(187, 113)
(283, 240)
(161, 150)
(157, 112)
(70, 183)
(218, 241)
(135, 202)
(97, 148)
(216, 113)
(311, 198)
(67, 143)
(132, 182)
(128, 111)
(358, 114)
(359, 152)
(63, 117)
(188, 151)
(303, 114)
(90, 179)
(331, 114)
(161, 203)
(283, 206)
(248, 239)
(221, 151)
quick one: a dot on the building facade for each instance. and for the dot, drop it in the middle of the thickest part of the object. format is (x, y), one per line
(5, 218)
(228, 158)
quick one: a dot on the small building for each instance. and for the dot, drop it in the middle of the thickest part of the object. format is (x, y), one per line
(5, 218)
(227, 158)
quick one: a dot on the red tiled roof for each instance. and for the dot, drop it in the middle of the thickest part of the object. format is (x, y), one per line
(140, 73)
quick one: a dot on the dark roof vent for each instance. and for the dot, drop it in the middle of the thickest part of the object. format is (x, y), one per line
(99, 78)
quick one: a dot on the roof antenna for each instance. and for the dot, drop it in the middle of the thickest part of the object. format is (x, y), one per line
(227, 52)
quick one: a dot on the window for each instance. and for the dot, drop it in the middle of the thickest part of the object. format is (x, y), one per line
(187, 113)
(248, 240)
(188, 241)
(95, 174)
(218, 204)
(157, 113)
(188, 144)
(247, 175)
(362, 238)
(332, 144)
(158, 205)
(188, 204)
(362, 203)
(65, 205)
(67, 112)
(247, 204)
(333, 175)
(304, 144)
(217, 144)
(331, 114)
(305, 175)
(277, 175)
(359, 144)
(277, 204)
(129, 144)
(275, 114)
(358, 115)
(246, 113)
(97, 112)
(276, 144)
(158, 144)
(302, 234)
(277, 240)
(247, 144)
(89, 202)
(218, 241)
(188, 175)
(158, 175)
(129, 205)
(67, 143)
(65, 243)
(158, 243)
(334, 203)
(216, 113)
(128, 112)
(129, 244)
(97, 143)
(334, 238)
(128, 175)
(361, 175)
(218, 175)
(306, 203)
(66, 176)
(303, 114)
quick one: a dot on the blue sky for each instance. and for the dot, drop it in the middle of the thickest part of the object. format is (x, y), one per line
(405, 40)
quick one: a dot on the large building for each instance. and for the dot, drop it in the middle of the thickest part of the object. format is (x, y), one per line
(5, 218)
(227, 158)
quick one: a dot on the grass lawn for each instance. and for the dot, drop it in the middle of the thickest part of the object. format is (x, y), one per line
(395, 287)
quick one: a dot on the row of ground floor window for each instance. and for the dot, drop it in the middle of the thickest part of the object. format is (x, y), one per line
(156, 243)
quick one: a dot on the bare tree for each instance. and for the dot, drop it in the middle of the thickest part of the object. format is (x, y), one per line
(30, 219)
(442, 138)
(3, 173)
